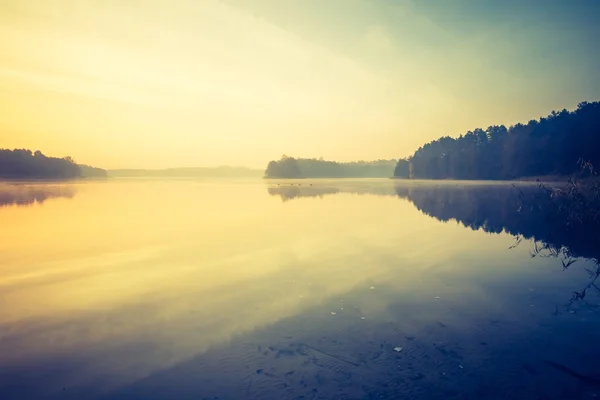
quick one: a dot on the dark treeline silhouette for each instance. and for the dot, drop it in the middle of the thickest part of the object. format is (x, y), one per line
(290, 167)
(217, 172)
(402, 169)
(25, 164)
(548, 146)
(25, 195)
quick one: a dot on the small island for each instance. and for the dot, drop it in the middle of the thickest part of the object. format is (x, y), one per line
(295, 168)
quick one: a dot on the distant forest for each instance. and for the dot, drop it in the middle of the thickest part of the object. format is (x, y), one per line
(553, 145)
(217, 172)
(290, 167)
(25, 164)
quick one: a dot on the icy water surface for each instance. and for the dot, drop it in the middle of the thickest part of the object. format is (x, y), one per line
(364, 289)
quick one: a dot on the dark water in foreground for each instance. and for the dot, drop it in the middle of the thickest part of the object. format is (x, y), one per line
(261, 290)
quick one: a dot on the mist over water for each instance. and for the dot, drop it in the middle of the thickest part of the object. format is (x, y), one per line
(315, 289)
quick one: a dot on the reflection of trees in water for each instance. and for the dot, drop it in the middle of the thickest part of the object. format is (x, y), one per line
(288, 191)
(25, 195)
(553, 220)
(545, 250)
(523, 211)
(474, 206)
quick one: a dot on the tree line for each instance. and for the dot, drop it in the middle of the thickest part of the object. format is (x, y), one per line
(290, 167)
(25, 164)
(552, 145)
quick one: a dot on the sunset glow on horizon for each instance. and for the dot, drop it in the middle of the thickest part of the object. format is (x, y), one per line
(156, 84)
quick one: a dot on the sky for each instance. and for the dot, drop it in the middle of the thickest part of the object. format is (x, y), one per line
(181, 83)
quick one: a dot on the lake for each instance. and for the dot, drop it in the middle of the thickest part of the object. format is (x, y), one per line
(312, 289)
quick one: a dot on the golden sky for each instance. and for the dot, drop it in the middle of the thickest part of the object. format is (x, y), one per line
(169, 83)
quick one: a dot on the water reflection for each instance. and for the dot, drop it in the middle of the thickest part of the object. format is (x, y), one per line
(287, 190)
(191, 290)
(494, 208)
(521, 210)
(29, 194)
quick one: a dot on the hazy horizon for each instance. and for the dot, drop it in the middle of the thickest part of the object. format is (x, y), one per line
(154, 85)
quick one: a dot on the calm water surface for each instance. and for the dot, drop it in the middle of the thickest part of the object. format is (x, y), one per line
(183, 289)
